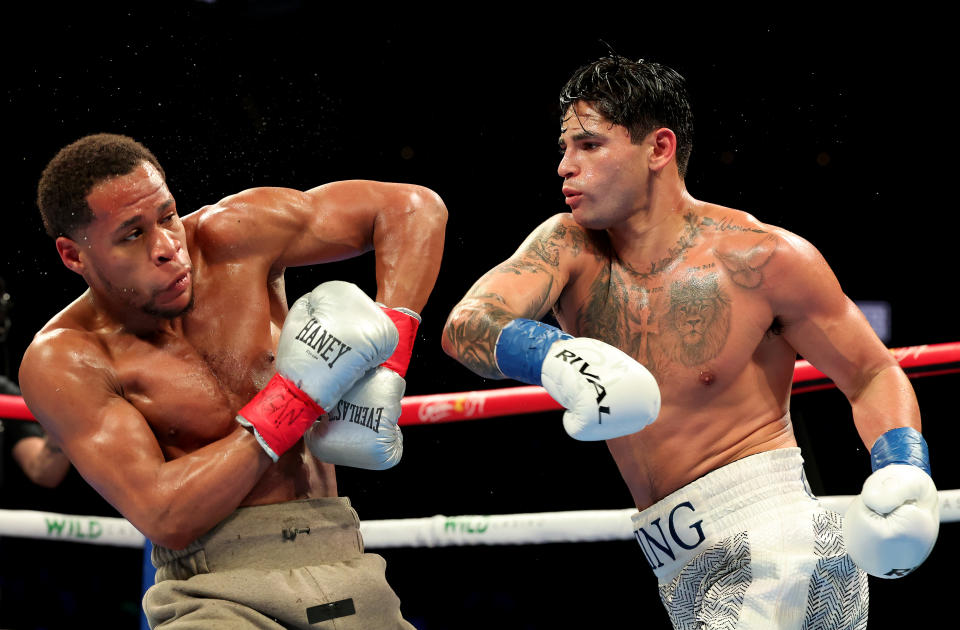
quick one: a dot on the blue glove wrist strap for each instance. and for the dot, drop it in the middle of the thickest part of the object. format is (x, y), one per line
(522, 348)
(900, 446)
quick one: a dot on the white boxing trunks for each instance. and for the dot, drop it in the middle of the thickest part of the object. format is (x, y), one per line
(747, 546)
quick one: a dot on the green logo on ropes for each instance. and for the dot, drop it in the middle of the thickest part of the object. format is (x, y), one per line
(461, 525)
(74, 528)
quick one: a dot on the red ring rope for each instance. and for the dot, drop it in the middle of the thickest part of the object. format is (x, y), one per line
(916, 361)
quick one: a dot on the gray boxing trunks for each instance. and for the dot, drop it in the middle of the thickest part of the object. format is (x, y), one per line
(747, 546)
(298, 564)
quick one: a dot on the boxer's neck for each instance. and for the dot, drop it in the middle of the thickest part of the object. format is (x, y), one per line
(652, 232)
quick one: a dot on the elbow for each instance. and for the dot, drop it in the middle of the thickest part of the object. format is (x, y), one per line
(447, 345)
(166, 528)
(427, 209)
(471, 344)
(170, 536)
(449, 335)
(885, 376)
(47, 480)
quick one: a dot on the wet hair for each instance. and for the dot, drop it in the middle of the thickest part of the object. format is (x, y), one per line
(76, 169)
(639, 95)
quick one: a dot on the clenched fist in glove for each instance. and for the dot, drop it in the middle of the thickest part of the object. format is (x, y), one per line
(891, 527)
(606, 393)
(362, 430)
(332, 336)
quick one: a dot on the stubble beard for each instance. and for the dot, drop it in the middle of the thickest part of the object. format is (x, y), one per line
(150, 307)
(152, 310)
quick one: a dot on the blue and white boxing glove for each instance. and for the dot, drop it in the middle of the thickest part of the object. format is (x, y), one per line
(606, 393)
(891, 527)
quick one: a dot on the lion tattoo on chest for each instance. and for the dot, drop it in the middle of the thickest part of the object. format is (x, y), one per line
(695, 327)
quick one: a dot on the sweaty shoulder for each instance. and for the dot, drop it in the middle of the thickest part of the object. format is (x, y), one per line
(752, 254)
(74, 334)
(257, 220)
(70, 360)
(561, 242)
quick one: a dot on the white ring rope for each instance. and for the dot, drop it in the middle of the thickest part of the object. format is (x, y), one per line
(431, 531)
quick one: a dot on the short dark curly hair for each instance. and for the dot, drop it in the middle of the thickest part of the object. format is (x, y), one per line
(76, 169)
(639, 95)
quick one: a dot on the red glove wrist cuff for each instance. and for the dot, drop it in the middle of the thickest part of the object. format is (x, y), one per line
(280, 413)
(407, 326)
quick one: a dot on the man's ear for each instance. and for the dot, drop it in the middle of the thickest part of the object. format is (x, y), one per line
(70, 254)
(664, 148)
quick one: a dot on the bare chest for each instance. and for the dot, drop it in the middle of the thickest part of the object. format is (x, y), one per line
(189, 387)
(689, 323)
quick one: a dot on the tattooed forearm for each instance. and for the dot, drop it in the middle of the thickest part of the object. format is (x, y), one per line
(475, 324)
(540, 305)
(472, 333)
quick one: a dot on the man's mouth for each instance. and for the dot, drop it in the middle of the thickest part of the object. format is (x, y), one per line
(573, 196)
(175, 288)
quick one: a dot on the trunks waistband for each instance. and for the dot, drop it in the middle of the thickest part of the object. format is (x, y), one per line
(734, 498)
(276, 536)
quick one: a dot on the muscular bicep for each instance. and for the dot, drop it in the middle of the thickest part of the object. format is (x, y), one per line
(290, 228)
(821, 323)
(71, 388)
(105, 437)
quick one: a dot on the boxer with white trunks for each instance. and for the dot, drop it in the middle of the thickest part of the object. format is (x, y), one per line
(180, 385)
(681, 324)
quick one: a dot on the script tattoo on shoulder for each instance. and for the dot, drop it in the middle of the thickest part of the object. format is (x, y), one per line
(727, 225)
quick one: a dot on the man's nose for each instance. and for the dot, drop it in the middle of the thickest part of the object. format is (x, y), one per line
(165, 247)
(567, 167)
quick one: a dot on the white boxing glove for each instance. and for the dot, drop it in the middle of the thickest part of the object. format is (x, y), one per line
(362, 431)
(607, 393)
(330, 338)
(891, 527)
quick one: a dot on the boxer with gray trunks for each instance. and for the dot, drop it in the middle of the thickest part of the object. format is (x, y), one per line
(680, 324)
(189, 395)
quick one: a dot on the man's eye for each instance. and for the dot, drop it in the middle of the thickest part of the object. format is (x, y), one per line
(168, 218)
(133, 235)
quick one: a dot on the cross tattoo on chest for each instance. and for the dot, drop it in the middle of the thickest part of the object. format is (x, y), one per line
(647, 327)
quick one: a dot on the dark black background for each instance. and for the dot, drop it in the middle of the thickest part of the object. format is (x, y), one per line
(838, 128)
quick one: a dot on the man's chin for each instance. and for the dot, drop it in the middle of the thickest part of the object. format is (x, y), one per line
(171, 312)
(589, 221)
